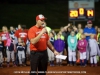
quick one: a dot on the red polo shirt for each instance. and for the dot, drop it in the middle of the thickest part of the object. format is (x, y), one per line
(41, 45)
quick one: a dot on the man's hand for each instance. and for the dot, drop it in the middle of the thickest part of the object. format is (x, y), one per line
(44, 30)
(50, 46)
(56, 53)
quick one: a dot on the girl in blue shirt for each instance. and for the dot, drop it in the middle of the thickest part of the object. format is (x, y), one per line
(72, 45)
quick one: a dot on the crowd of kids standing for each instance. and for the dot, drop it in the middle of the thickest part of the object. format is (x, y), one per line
(80, 44)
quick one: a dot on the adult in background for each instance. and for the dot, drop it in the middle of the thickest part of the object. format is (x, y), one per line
(66, 32)
(79, 26)
(39, 41)
(88, 31)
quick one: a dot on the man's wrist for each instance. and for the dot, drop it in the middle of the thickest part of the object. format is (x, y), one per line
(53, 49)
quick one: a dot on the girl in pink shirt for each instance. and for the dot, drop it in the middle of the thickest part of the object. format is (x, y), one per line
(82, 44)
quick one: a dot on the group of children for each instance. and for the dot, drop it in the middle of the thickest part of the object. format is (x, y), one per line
(13, 48)
(78, 48)
(14, 45)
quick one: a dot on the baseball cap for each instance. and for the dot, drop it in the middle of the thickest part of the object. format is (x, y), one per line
(40, 17)
(89, 22)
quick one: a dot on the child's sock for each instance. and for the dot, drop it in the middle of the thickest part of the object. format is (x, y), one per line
(60, 63)
(13, 62)
(52, 63)
(0, 64)
(91, 64)
(85, 61)
(81, 63)
(70, 62)
(23, 60)
(74, 62)
(57, 63)
(7, 63)
(95, 65)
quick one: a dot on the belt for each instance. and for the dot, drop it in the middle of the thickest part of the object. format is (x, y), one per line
(38, 51)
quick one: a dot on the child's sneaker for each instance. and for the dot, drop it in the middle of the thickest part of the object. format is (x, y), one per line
(70, 65)
(20, 65)
(95, 65)
(53, 65)
(67, 64)
(57, 64)
(8, 65)
(91, 65)
(5, 59)
(82, 61)
(75, 65)
(50, 64)
(84, 66)
(23, 65)
(14, 65)
(60, 64)
(1, 66)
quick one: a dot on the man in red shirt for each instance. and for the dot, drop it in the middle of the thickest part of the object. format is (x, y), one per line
(39, 41)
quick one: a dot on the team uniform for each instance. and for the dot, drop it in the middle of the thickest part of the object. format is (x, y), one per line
(39, 56)
(72, 44)
(21, 54)
(82, 44)
(50, 53)
(94, 51)
(4, 39)
(59, 45)
(10, 52)
(89, 31)
(20, 33)
(1, 54)
(12, 34)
